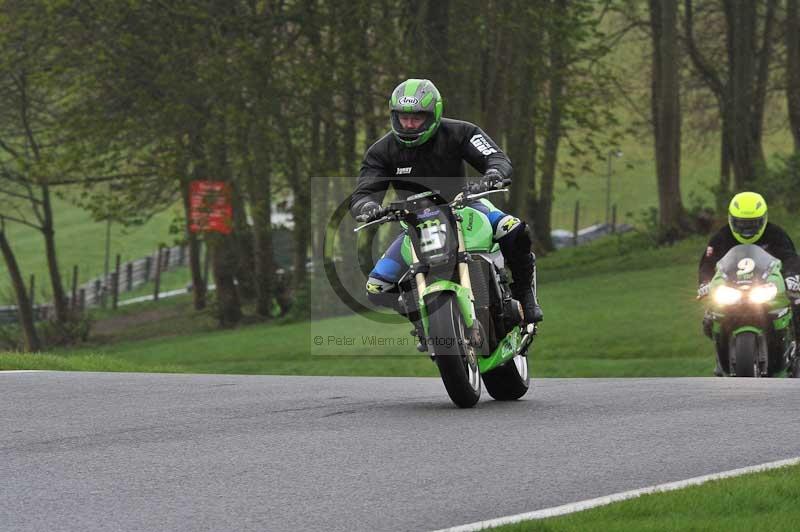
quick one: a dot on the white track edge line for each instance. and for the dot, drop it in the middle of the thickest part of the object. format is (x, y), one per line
(616, 497)
(21, 370)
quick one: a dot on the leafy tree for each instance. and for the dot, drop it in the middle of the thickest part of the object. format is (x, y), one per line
(666, 116)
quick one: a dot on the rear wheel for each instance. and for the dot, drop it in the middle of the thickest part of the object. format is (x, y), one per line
(509, 381)
(457, 361)
(794, 367)
(744, 355)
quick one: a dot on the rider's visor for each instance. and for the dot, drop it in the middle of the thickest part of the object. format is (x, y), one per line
(747, 227)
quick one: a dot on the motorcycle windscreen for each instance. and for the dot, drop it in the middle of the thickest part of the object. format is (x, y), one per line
(746, 263)
(434, 234)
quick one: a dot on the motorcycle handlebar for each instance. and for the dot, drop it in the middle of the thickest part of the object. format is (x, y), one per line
(473, 191)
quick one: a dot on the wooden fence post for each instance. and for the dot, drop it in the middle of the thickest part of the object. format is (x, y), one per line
(182, 255)
(114, 289)
(82, 299)
(575, 222)
(148, 266)
(115, 283)
(74, 286)
(167, 252)
(614, 218)
(158, 276)
(98, 287)
(129, 277)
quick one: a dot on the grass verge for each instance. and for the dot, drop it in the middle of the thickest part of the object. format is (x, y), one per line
(760, 501)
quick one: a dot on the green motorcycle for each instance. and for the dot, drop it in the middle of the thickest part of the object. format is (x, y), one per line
(750, 315)
(456, 292)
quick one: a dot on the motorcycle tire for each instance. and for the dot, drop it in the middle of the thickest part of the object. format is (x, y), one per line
(457, 361)
(744, 351)
(510, 381)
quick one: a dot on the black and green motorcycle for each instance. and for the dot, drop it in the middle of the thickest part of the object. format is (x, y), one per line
(751, 316)
(457, 294)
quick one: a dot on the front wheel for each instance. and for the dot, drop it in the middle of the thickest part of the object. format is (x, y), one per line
(744, 355)
(457, 361)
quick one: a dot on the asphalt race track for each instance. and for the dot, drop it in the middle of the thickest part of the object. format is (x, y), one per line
(130, 452)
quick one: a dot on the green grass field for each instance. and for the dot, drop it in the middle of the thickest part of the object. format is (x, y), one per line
(761, 501)
(80, 241)
(625, 312)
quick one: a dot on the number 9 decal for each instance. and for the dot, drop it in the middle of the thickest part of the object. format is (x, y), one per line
(746, 266)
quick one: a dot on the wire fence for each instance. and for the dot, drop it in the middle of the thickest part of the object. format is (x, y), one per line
(105, 290)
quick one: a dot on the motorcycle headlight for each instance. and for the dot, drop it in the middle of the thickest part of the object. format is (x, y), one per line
(725, 295)
(763, 293)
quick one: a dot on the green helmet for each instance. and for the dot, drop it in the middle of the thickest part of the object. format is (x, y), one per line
(747, 217)
(416, 96)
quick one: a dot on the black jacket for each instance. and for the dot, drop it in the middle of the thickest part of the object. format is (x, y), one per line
(774, 241)
(437, 164)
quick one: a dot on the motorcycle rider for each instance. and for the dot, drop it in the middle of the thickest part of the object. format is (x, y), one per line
(747, 224)
(425, 151)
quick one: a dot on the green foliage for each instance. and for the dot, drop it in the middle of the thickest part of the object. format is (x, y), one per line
(781, 184)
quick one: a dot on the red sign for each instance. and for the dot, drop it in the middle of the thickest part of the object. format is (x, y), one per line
(210, 207)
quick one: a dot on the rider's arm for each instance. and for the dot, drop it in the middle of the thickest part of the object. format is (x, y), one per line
(482, 153)
(372, 180)
(782, 247)
(716, 249)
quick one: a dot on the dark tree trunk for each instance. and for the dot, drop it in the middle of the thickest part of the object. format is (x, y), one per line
(199, 284)
(741, 95)
(763, 58)
(24, 307)
(741, 20)
(792, 33)
(299, 184)
(522, 146)
(224, 248)
(725, 168)
(261, 205)
(59, 296)
(195, 268)
(556, 82)
(224, 263)
(666, 116)
(436, 35)
(245, 267)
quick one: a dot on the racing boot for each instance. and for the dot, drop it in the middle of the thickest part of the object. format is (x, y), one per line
(523, 289)
(516, 248)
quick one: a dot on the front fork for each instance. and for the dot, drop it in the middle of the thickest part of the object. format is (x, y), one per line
(473, 331)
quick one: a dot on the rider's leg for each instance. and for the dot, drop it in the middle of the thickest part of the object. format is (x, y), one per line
(514, 239)
(381, 286)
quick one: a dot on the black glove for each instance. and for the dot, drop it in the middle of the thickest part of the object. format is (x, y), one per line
(492, 175)
(491, 180)
(369, 211)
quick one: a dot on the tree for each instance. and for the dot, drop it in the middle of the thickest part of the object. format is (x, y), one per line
(24, 308)
(666, 116)
(740, 87)
(30, 134)
(792, 33)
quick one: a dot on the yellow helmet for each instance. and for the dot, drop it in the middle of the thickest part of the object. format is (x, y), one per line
(747, 216)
